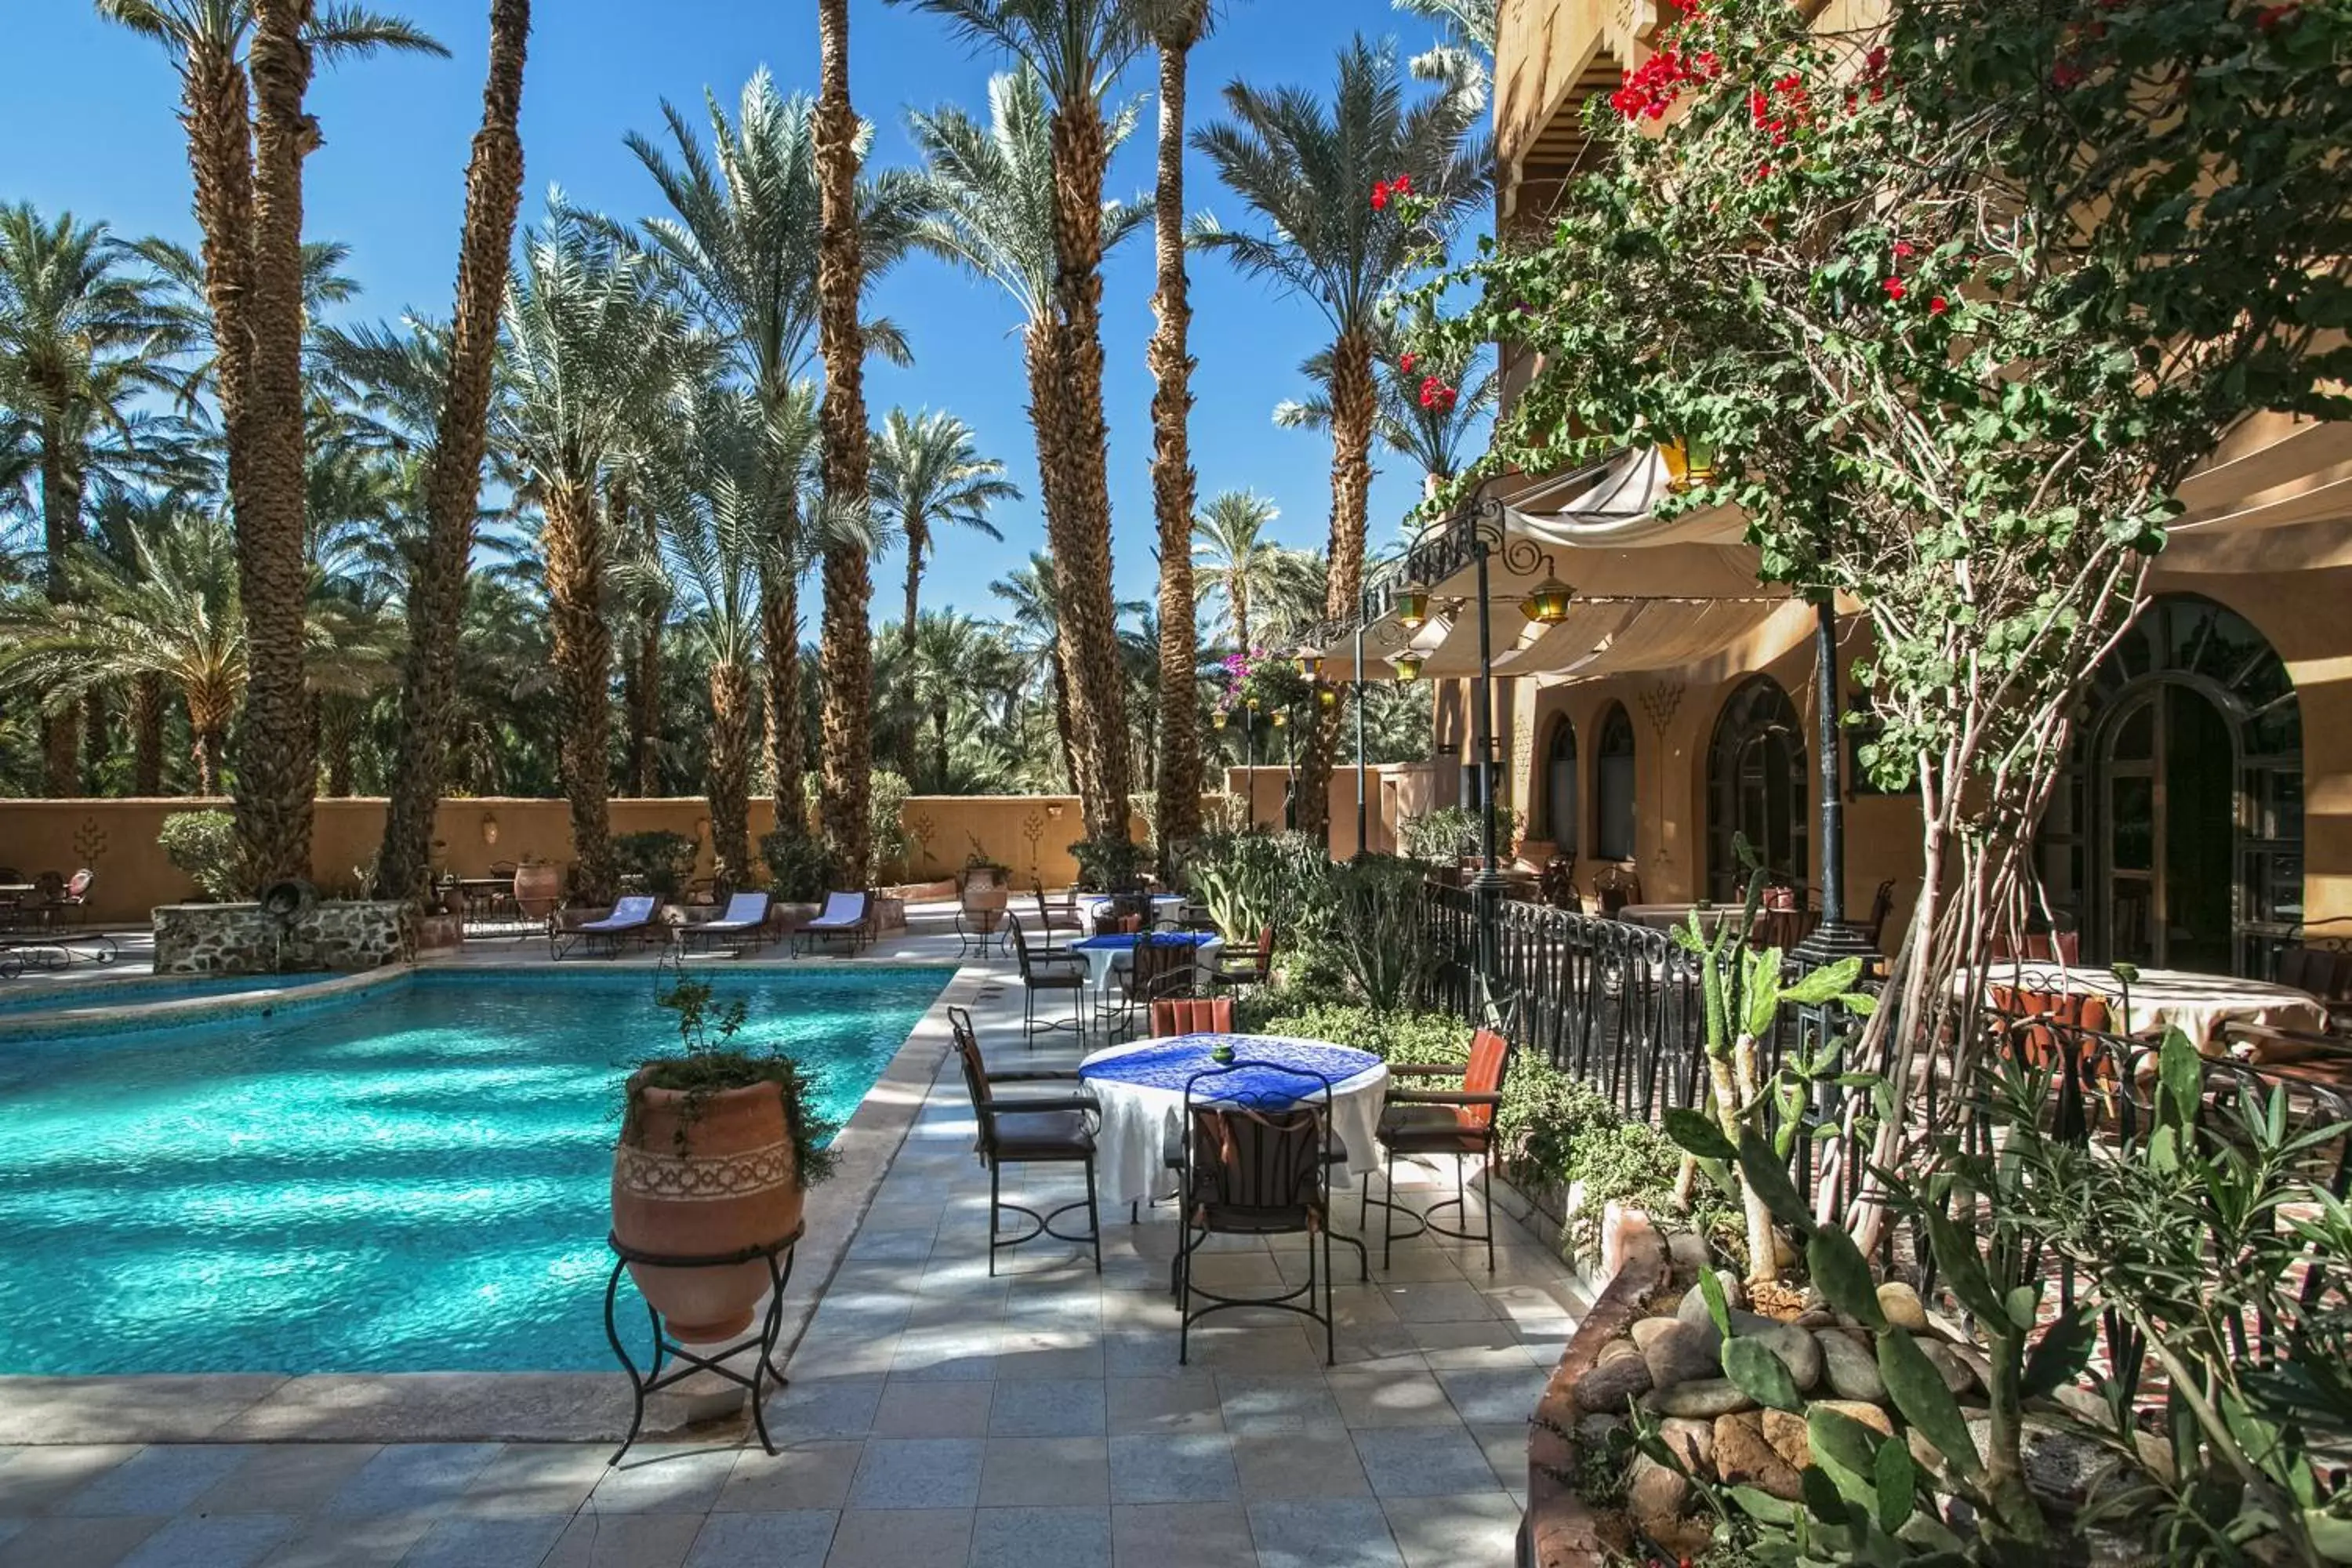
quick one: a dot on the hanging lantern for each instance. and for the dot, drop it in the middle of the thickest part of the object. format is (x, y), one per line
(1327, 697)
(1407, 666)
(1310, 663)
(1412, 609)
(1220, 719)
(1280, 719)
(1688, 462)
(1548, 602)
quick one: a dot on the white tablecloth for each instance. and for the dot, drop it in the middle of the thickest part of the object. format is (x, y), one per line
(2196, 1005)
(1101, 960)
(1142, 1125)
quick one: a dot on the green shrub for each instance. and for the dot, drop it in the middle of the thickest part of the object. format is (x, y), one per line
(1251, 880)
(1364, 917)
(1107, 864)
(1451, 832)
(662, 860)
(799, 870)
(886, 821)
(1393, 1035)
(203, 845)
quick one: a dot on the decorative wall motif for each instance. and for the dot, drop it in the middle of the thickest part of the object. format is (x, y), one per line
(1032, 829)
(89, 842)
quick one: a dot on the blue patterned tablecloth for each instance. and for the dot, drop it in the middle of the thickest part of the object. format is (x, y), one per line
(1172, 1063)
(1158, 939)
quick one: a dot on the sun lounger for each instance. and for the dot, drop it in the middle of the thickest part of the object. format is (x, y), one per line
(632, 917)
(844, 915)
(742, 928)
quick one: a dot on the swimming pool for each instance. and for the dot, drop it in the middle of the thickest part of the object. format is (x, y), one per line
(135, 990)
(412, 1180)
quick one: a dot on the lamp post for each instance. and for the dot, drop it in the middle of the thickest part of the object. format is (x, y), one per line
(1833, 939)
(1486, 887)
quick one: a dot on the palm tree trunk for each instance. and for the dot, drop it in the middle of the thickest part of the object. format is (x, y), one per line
(277, 772)
(1238, 590)
(572, 541)
(643, 701)
(208, 713)
(780, 691)
(1354, 407)
(97, 745)
(919, 540)
(216, 108)
(338, 734)
(846, 652)
(1064, 731)
(1177, 784)
(437, 597)
(147, 735)
(61, 529)
(939, 715)
(728, 783)
(1079, 527)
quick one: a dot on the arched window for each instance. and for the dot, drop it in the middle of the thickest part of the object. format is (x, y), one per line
(1613, 779)
(1562, 814)
(1756, 787)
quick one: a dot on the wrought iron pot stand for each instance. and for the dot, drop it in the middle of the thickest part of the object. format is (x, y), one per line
(778, 1256)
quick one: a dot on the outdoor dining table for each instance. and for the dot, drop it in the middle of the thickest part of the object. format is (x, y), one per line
(1165, 908)
(2161, 999)
(1111, 951)
(1140, 1088)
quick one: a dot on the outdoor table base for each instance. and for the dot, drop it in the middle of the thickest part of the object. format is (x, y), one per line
(778, 1256)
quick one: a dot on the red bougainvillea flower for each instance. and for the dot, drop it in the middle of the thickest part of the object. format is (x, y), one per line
(1874, 61)
(1401, 186)
(2271, 18)
(2066, 74)
(1406, 362)
(1938, 305)
(1380, 195)
(1894, 289)
(1902, 247)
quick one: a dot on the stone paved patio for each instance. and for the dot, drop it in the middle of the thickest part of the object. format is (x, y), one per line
(938, 1417)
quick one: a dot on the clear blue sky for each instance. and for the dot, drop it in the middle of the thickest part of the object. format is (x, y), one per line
(89, 126)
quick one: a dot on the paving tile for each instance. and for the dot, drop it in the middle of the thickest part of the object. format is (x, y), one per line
(825, 1407)
(411, 1477)
(227, 1541)
(1142, 1352)
(798, 1538)
(919, 1408)
(844, 1352)
(1047, 1408)
(163, 1479)
(915, 1538)
(1259, 1402)
(1185, 1467)
(1455, 1531)
(1182, 1535)
(528, 1479)
(378, 1541)
(954, 1353)
(902, 1473)
(1504, 1444)
(1041, 1538)
(662, 1478)
(1289, 1465)
(486, 1542)
(1494, 1395)
(1333, 1533)
(287, 1478)
(1039, 1472)
(37, 1478)
(596, 1539)
(1186, 1404)
(82, 1543)
(1449, 1301)
(1407, 1398)
(1423, 1462)
(9, 1527)
(1272, 1347)
(1046, 1350)
(804, 1477)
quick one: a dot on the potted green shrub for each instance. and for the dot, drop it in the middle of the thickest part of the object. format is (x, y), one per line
(718, 1146)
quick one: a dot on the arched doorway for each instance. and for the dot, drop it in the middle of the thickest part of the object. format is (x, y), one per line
(1562, 805)
(1612, 781)
(1756, 787)
(2176, 839)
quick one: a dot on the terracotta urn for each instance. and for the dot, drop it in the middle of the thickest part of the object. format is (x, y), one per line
(539, 888)
(730, 1184)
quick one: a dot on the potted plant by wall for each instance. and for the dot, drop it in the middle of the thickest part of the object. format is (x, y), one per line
(538, 887)
(718, 1148)
(800, 874)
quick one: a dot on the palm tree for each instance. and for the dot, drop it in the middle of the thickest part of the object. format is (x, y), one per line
(1032, 597)
(951, 659)
(1176, 25)
(846, 654)
(1437, 436)
(1076, 50)
(594, 351)
(1235, 554)
(743, 245)
(1466, 54)
(436, 593)
(80, 340)
(928, 470)
(1308, 172)
(248, 180)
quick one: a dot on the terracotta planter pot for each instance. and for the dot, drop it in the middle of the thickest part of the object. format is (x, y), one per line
(736, 1186)
(538, 888)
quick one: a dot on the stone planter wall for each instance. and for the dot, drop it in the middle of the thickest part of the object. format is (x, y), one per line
(240, 939)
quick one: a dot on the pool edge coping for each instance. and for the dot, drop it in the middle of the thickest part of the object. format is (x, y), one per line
(50, 1410)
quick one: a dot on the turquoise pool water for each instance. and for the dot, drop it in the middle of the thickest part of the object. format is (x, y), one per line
(414, 1180)
(41, 995)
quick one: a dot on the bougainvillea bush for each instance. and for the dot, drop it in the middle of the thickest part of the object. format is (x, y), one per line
(1957, 300)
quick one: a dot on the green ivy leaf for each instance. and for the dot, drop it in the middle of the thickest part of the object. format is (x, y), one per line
(1760, 1374)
